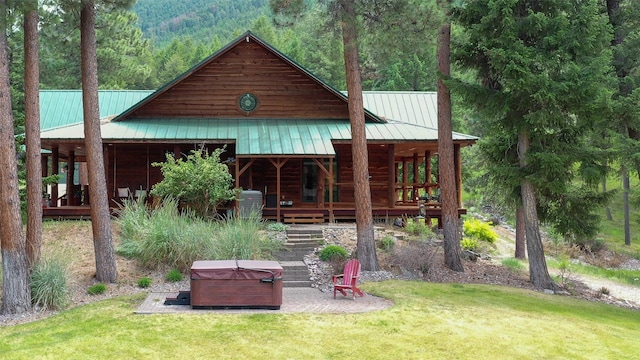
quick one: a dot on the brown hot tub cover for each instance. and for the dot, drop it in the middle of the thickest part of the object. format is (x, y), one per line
(236, 283)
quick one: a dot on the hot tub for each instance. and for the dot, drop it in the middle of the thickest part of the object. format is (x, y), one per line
(236, 284)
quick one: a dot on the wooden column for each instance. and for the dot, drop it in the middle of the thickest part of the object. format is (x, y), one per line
(405, 180)
(416, 176)
(71, 161)
(391, 181)
(427, 171)
(55, 169)
(105, 156)
(278, 164)
(331, 182)
(457, 160)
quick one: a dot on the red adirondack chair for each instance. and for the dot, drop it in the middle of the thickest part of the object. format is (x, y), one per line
(349, 279)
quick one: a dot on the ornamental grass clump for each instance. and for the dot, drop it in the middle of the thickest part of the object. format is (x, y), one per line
(97, 289)
(144, 282)
(164, 236)
(49, 281)
(243, 239)
(174, 275)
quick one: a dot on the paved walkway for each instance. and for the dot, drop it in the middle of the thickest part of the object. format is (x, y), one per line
(294, 300)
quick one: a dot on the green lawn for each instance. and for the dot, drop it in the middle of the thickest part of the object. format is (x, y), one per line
(429, 321)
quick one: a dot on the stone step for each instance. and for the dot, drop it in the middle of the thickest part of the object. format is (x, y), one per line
(305, 232)
(302, 244)
(296, 284)
(305, 237)
(292, 255)
(293, 265)
(296, 274)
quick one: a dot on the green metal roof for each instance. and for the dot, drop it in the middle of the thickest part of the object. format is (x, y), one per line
(413, 107)
(254, 136)
(64, 107)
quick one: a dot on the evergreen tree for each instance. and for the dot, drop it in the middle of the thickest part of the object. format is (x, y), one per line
(543, 69)
(623, 16)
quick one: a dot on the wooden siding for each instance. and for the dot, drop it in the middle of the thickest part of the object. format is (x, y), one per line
(213, 91)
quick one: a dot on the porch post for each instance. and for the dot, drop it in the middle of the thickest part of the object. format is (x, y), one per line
(331, 219)
(457, 160)
(237, 171)
(105, 156)
(71, 161)
(427, 171)
(55, 169)
(278, 164)
(405, 180)
(391, 180)
(416, 175)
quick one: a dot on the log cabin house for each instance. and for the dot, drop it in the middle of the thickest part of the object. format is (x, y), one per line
(287, 136)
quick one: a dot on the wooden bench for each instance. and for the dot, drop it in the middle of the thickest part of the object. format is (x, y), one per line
(303, 218)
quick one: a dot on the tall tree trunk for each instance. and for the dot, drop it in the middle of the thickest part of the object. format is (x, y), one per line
(620, 63)
(366, 246)
(538, 272)
(520, 234)
(100, 218)
(16, 293)
(604, 191)
(32, 126)
(446, 169)
(625, 199)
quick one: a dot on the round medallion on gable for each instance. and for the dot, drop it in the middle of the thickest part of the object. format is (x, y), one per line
(248, 102)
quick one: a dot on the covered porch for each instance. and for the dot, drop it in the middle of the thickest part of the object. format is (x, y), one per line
(403, 180)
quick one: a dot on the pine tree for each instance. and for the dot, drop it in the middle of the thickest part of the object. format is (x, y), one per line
(542, 71)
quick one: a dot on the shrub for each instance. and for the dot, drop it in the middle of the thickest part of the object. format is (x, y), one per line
(386, 243)
(470, 244)
(415, 255)
(591, 245)
(97, 289)
(201, 181)
(144, 282)
(49, 284)
(174, 275)
(333, 253)
(277, 227)
(480, 230)
(513, 264)
(417, 228)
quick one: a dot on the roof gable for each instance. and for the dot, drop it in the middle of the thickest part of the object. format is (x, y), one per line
(213, 88)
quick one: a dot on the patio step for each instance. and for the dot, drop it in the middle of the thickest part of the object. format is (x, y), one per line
(296, 274)
(301, 240)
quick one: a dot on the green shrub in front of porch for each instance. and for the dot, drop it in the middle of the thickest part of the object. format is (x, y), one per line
(201, 181)
(164, 237)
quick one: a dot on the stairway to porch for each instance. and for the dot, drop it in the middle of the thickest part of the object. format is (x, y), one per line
(301, 240)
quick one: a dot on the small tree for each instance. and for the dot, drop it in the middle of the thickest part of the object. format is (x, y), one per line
(201, 181)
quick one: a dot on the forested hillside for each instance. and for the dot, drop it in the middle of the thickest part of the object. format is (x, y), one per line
(163, 20)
